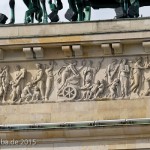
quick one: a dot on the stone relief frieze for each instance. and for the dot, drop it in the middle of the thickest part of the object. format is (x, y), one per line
(75, 80)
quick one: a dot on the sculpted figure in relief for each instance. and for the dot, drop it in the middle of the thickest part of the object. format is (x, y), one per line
(123, 75)
(88, 75)
(113, 88)
(69, 74)
(96, 89)
(13, 94)
(111, 71)
(6, 79)
(38, 80)
(49, 79)
(148, 90)
(100, 89)
(136, 74)
(1, 82)
(26, 93)
(4, 82)
(90, 71)
(147, 65)
(88, 79)
(86, 89)
(36, 94)
(18, 83)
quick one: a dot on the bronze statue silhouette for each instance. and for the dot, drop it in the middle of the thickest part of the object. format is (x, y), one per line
(130, 8)
(36, 8)
(79, 10)
(33, 9)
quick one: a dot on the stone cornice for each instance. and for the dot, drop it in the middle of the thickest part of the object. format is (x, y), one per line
(75, 32)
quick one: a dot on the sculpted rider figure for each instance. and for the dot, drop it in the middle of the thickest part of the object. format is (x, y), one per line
(69, 73)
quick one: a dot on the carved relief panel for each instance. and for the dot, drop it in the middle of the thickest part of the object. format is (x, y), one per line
(74, 80)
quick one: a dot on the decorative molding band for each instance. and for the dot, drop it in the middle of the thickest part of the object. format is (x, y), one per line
(76, 125)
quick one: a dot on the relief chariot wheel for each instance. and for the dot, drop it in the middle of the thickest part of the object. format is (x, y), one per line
(70, 92)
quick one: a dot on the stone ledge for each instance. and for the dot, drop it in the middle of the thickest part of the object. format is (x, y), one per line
(94, 27)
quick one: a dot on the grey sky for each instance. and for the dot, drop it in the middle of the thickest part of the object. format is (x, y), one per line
(96, 14)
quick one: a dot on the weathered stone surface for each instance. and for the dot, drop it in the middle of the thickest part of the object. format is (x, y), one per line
(74, 111)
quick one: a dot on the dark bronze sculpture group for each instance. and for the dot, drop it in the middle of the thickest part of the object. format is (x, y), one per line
(79, 10)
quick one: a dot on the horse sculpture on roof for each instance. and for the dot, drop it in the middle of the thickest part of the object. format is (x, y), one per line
(36, 8)
(78, 9)
(130, 8)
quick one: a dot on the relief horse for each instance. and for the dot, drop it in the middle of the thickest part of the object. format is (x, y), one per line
(37, 8)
